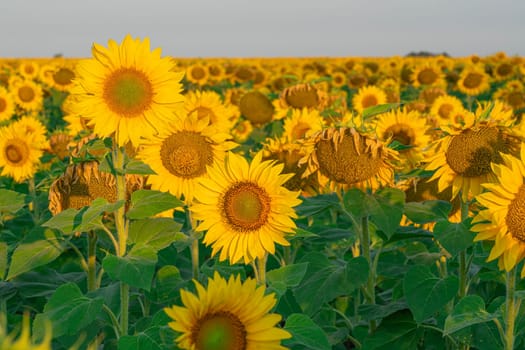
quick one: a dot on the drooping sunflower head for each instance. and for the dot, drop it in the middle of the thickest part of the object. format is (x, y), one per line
(256, 107)
(473, 81)
(227, 315)
(368, 96)
(502, 220)
(348, 158)
(299, 96)
(19, 155)
(244, 208)
(127, 91)
(181, 153)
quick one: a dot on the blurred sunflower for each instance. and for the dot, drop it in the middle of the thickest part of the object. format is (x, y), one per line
(127, 90)
(180, 153)
(503, 70)
(299, 96)
(256, 107)
(242, 131)
(473, 81)
(301, 124)
(338, 79)
(216, 71)
(462, 158)
(197, 73)
(502, 220)
(227, 315)
(23, 341)
(27, 94)
(512, 93)
(34, 129)
(58, 75)
(430, 94)
(368, 96)
(29, 69)
(427, 74)
(245, 208)
(208, 105)
(444, 109)
(19, 157)
(7, 104)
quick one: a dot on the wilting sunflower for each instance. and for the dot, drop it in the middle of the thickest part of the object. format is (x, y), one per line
(23, 341)
(427, 74)
(256, 107)
(208, 105)
(245, 208)
(502, 220)
(473, 81)
(368, 96)
(7, 104)
(227, 315)
(347, 158)
(409, 129)
(299, 96)
(19, 156)
(462, 158)
(127, 90)
(180, 154)
(28, 95)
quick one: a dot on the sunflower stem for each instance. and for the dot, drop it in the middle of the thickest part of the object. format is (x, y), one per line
(92, 261)
(510, 309)
(463, 266)
(194, 249)
(122, 233)
(261, 269)
(370, 287)
(34, 201)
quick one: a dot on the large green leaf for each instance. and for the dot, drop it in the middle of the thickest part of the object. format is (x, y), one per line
(357, 203)
(389, 211)
(398, 331)
(454, 237)
(146, 203)
(136, 268)
(469, 310)
(11, 201)
(3, 259)
(316, 204)
(427, 211)
(138, 167)
(306, 334)
(39, 248)
(167, 284)
(378, 109)
(140, 341)
(426, 293)
(370, 312)
(68, 310)
(285, 277)
(157, 233)
(327, 279)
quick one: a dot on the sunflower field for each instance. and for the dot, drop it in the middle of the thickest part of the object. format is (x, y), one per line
(153, 202)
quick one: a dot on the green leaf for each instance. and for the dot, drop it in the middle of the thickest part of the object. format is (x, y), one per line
(427, 211)
(398, 331)
(140, 341)
(3, 259)
(138, 167)
(305, 333)
(69, 312)
(157, 233)
(146, 203)
(168, 282)
(136, 268)
(426, 293)
(39, 248)
(389, 211)
(468, 311)
(327, 279)
(454, 237)
(316, 204)
(65, 221)
(370, 312)
(287, 276)
(301, 233)
(11, 201)
(379, 109)
(357, 203)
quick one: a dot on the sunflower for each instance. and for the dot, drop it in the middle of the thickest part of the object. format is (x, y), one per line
(299, 96)
(368, 96)
(462, 159)
(244, 208)
(338, 79)
(430, 94)
(28, 69)
(18, 155)
(256, 107)
(197, 73)
(242, 131)
(512, 94)
(23, 341)
(227, 315)
(347, 158)
(127, 90)
(445, 108)
(58, 75)
(503, 70)
(427, 74)
(33, 128)
(7, 104)
(502, 220)
(180, 153)
(28, 95)
(216, 71)
(409, 129)
(473, 81)
(208, 105)
(301, 124)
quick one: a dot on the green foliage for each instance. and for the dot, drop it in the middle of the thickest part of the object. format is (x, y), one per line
(136, 268)
(306, 334)
(146, 203)
(454, 237)
(11, 201)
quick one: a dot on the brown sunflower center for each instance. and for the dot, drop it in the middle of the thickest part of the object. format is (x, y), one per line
(246, 206)
(26, 93)
(369, 101)
(256, 107)
(444, 110)
(301, 98)
(16, 152)
(504, 69)
(401, 133)
(185, 154)
(346, 163)
(244, 74)
(219, 331)
(515, 215)
(3, 104)
(471, 152)
(357, 80)
(215, 71)
(299, 130)
(516, 99)
(128, 92)
(473, 80)
(63, 76)
(197, 73)
(29, 69)
(427, 76)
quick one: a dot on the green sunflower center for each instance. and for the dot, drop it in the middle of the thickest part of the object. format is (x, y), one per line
(26, 94)
(63, 76)
(246, 206)
(186, 153)
(219, 331)
(473, 80)
(369, 101)
(16, 152)
(427, 76)
(256, 107)
(401, 133)
(128, 92)
(515, 215)
(302, 97)
(471, 152)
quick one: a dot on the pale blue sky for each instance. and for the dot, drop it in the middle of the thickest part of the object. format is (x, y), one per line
(247, 28)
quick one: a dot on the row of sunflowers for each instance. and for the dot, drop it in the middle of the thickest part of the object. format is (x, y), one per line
(151, 202)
